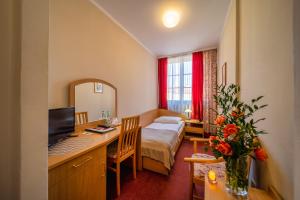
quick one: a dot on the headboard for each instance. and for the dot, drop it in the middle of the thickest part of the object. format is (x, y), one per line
(148, 117)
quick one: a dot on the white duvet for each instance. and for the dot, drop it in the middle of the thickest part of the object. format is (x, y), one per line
(163, 126)
(159, 141)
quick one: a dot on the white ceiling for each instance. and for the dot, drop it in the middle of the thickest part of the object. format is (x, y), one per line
(199, 28)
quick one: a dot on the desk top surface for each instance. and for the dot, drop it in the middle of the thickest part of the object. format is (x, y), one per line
(95, 140)
(218, 191)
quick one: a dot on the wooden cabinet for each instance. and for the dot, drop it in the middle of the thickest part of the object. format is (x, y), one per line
(83, 177)
(194, 127)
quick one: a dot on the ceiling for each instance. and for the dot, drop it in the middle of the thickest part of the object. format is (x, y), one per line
(200, 25)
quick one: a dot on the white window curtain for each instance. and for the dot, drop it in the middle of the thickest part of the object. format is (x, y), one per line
(180, 83)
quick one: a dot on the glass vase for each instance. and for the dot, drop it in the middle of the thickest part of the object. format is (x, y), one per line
(237, 176)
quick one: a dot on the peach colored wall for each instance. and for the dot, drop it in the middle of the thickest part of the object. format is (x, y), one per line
(24, 65)
(10, 99)
(85, 43)
(266, 68)
(227, 45)
(34, 99)
(297, 96)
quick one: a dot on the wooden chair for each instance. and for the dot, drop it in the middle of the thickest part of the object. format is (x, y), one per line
(198, 161)
(200, 164)
(81, 118)
(124, 148)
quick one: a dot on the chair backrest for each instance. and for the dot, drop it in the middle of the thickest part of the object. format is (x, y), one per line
(128, 135)
(81, 118)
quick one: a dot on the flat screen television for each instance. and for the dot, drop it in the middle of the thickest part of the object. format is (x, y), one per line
(61, 124)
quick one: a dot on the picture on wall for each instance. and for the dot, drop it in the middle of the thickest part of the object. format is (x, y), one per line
(224, 73)
(98, 87)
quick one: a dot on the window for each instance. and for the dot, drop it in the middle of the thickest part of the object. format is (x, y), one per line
(179, 83)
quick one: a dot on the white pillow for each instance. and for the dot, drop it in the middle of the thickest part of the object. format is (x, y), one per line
(168, 120)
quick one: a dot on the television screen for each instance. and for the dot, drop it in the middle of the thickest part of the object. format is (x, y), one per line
(61, 123)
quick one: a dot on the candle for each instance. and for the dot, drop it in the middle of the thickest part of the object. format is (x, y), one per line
(212, 176)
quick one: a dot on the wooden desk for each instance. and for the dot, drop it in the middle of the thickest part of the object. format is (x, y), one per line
(81, 174)
(217, 191)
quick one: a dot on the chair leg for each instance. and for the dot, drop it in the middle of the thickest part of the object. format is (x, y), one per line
(191, 181)
(191, 191)
(134, 165)
(118, 179)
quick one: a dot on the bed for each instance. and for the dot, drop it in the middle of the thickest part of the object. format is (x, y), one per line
(161, 139)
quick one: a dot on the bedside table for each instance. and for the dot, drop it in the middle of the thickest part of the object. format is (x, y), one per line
(193, 126)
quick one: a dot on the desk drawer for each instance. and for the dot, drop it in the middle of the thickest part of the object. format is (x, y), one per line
(61, 172)
(92, 157)
(84, 177)
(194, 130)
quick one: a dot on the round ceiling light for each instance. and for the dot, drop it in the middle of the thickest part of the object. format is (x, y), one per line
(171, 18)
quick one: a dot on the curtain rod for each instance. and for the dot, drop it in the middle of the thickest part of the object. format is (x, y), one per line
(186, 53)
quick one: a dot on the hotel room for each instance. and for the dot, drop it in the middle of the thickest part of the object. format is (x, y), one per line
(150, 99)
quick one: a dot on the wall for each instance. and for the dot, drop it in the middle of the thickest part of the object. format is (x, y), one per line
(34, 99)
(85, 43)
(227, 45)
(10, 99)
(267, 69)
(297, 96)
(23, 57)
(86, 100)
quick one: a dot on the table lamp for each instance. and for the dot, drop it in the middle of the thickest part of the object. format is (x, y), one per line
(188, 112)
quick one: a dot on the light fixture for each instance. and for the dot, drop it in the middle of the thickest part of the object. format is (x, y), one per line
(188, 112)
(171, 18)
(212, 177)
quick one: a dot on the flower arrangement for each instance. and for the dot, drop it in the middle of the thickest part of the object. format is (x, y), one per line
(236, 137)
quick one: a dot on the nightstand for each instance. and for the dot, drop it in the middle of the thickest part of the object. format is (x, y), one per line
(193, 127)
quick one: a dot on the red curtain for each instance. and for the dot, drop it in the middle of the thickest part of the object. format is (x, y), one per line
(162, 82)
(197, 86)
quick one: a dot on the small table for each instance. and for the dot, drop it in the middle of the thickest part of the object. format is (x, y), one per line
(194, 127)
(218, 191)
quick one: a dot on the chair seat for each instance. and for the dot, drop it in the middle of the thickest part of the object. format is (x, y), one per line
(201, 169)
(112, 150)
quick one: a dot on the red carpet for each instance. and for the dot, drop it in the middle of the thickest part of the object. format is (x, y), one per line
(152, 186)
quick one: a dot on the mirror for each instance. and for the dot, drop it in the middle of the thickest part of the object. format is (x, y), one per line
(96, 97)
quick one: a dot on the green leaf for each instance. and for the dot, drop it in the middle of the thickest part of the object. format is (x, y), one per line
(263, 106)
(261, 132)
(259, 120)
(258, 98)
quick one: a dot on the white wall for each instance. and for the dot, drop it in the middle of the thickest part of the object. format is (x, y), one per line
(85, 43)
(34, 99)
(227, 46)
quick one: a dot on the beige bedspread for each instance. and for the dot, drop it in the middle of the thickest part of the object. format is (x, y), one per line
(159, 145)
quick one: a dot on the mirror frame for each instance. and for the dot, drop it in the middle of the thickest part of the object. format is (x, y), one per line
(89, 80)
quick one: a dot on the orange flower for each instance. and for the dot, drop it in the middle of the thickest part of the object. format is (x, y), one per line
(261, 154)
(229, 130)
(224, 148)
(212, 140)
(220, 120)
(234, 114)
